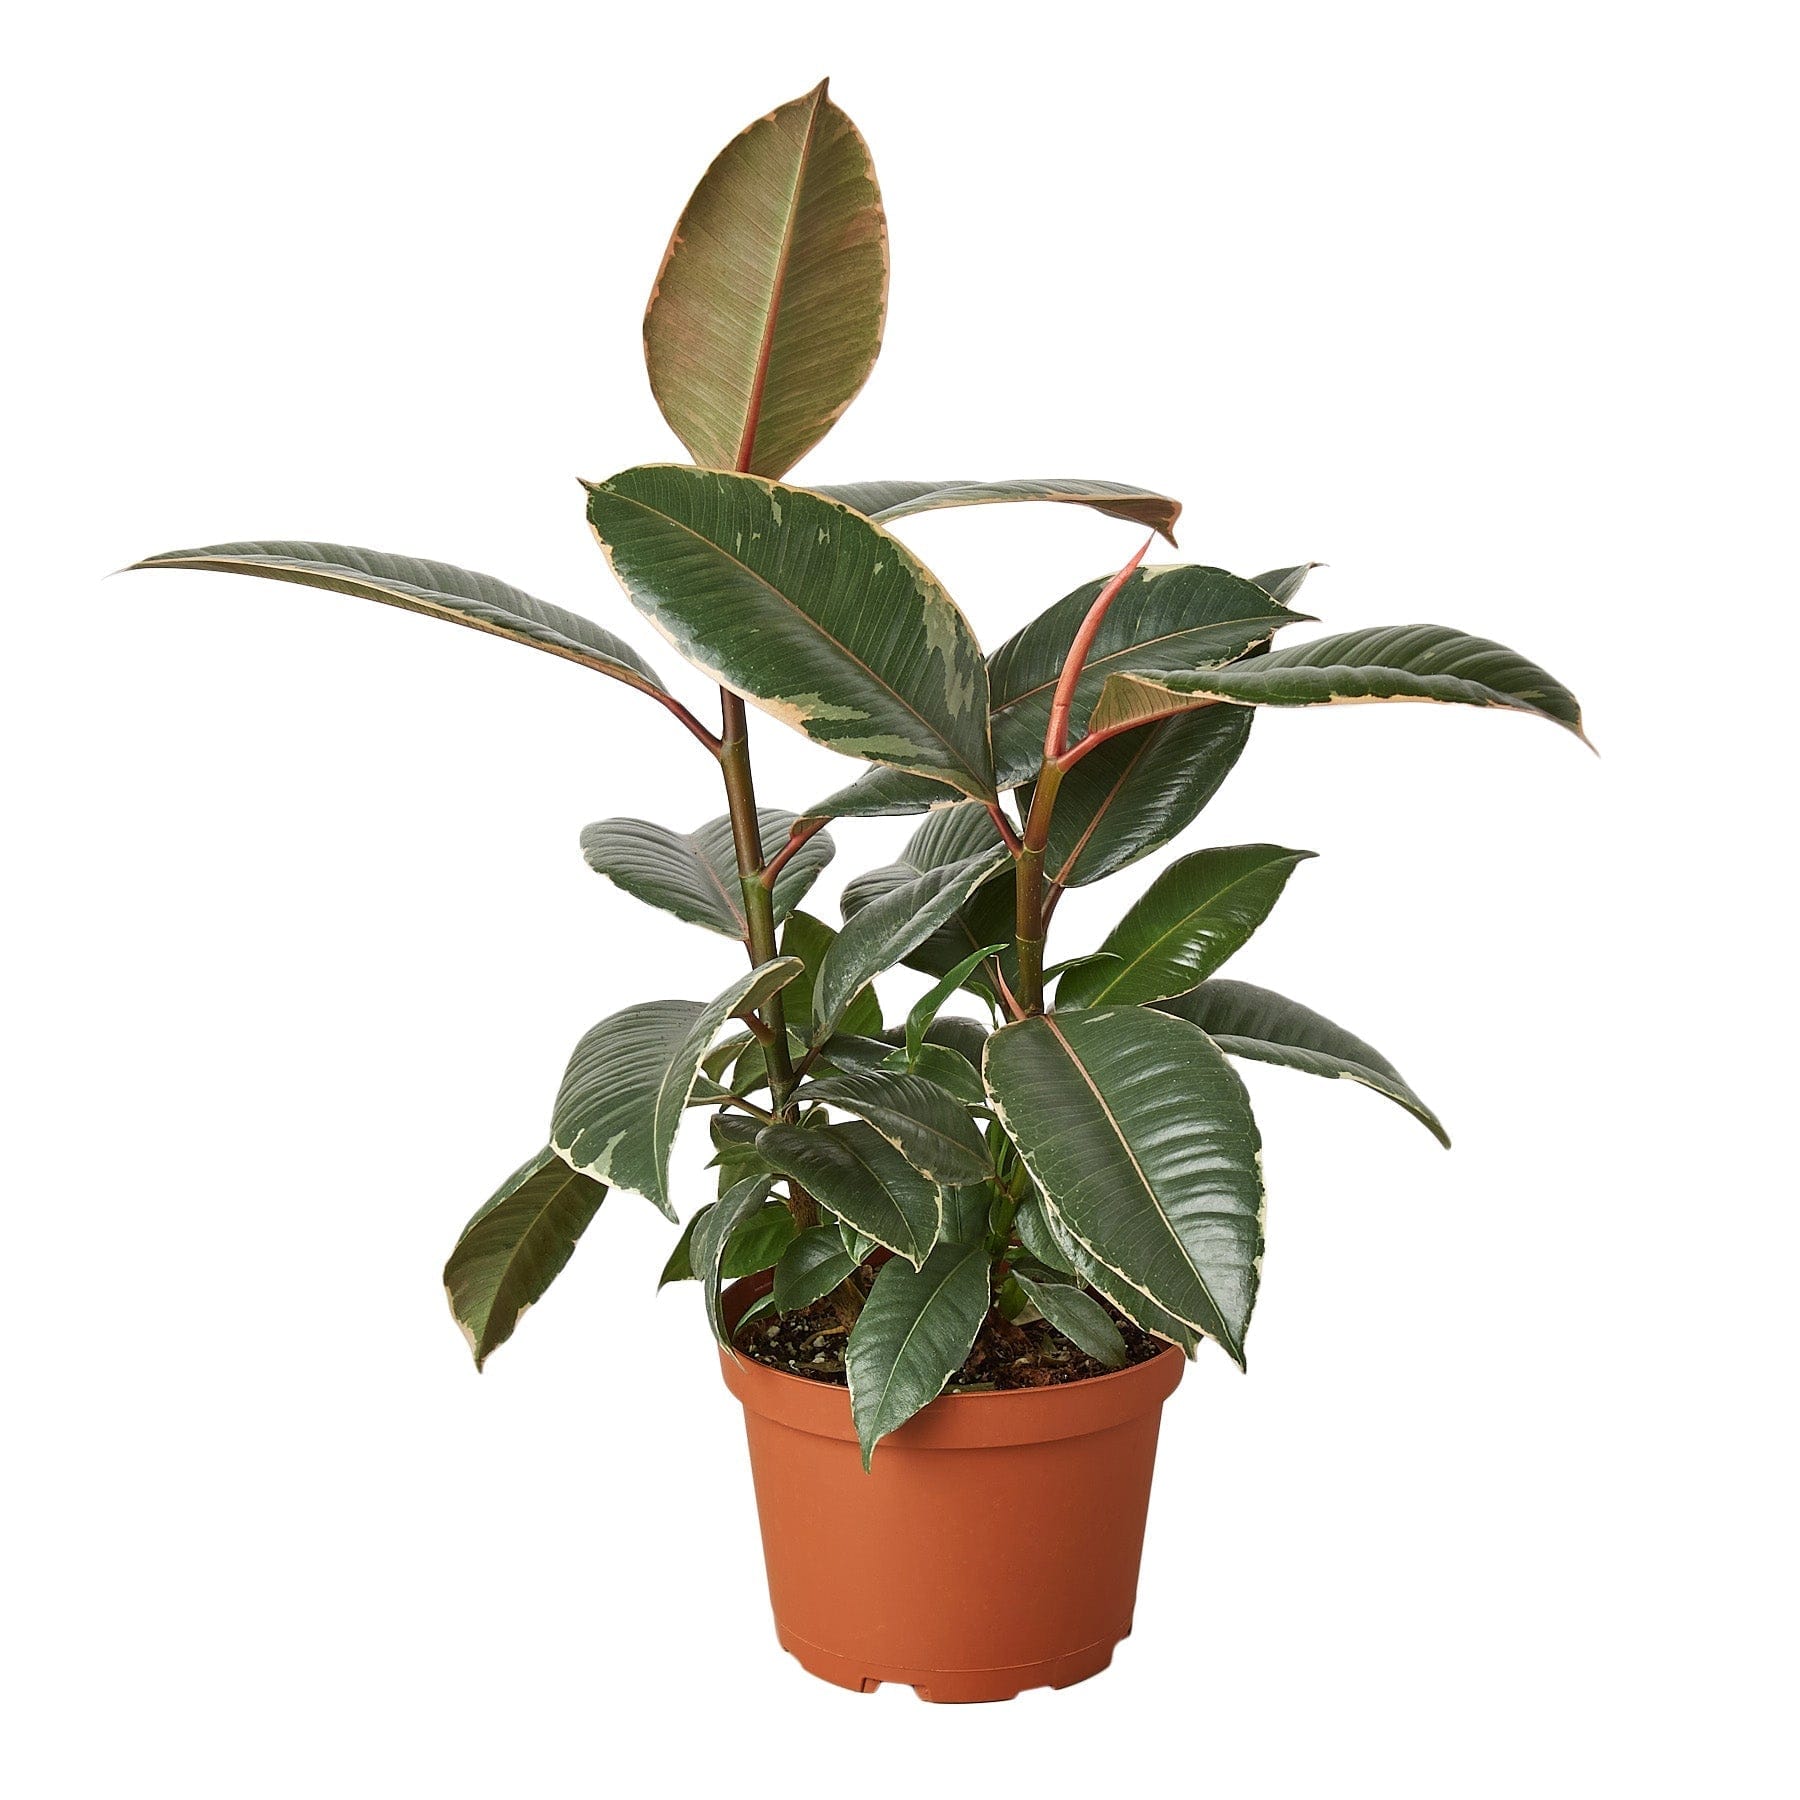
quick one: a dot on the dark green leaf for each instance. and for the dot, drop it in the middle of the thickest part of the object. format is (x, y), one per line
(1039, 1239)
(809, 939)
(889, 928)
(758, 1242)
(680, 1266)
(943, 1067)
(515, 1246)
(1180, 616)
(1079, 1317)
(713, 1230)
(885, 794)
(886, 500)
(1387, 662)
(811, 1266)
(1135, 793)
(1139, 1136)
(966, 1212)
(947, 838)
(805, 608)
(767, 311)
(1284, 584)
(438, 590)
(857, 1175)
(1200, 910)
(694, 874)
(622, 1097)
(929, 1127)
(915, 1331)
(1252, 1022)
(927, 1007)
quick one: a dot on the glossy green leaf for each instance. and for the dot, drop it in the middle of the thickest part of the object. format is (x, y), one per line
(947, 838)
(1079, 1317)
(966, 1212)
(438, 590)
(680, 1266)
(759, 1241)
(1387, 662)
(1178, 616)
(713, 1230)
(885, 794)
(809, 939)
(811, 1266)
(915, 1331)
(1135, 793)
(928, 1126)
(943, 1067)
(515, 1246)
(767, 311)
(735, 1154)
(1252, 1022)
(694, 874)
(929, 1004)
(891, 927)
(1138, 1307)
(1139, 1135)
(887, 500)
(807, 610)
(858, 1176)
(1284, 584)
(1200, 910)
(622, 1097)
(1037, 1236)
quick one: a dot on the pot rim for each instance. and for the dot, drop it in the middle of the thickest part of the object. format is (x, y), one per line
(952, 1421)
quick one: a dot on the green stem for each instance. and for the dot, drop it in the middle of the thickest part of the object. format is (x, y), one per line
(759, 902)
(1030, 926)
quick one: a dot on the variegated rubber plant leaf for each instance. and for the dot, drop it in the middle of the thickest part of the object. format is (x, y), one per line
(805, 609)
(767, 312)
(885, 501)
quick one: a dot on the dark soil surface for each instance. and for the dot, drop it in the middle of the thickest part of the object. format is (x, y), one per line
(811, 1343)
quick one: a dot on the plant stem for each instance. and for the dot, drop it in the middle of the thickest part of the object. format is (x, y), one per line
(759, 903)
(1029, 925)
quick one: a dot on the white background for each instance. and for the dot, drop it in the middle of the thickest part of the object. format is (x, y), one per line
(1488, 309)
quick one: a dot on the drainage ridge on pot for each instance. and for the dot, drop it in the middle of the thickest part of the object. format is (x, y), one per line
(992, 1547)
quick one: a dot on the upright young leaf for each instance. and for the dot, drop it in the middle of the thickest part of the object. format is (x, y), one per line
(515, 1246)
(438, 590)
(1200, 910)
(1139, 1135)
(858, 1176)
(1178, 616)
(767, 311)
(889, 928)
(630, 1077)
(806, 609)
(887, 500)
(1386, 662)
(694, 874)
(915, 1331)
(1252, 1022)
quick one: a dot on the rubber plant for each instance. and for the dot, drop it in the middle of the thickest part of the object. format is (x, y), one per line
(1091, 1159)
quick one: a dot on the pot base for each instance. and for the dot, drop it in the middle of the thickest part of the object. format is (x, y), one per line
(947, 1686)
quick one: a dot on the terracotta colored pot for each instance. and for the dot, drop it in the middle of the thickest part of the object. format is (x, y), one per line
(993, 1548)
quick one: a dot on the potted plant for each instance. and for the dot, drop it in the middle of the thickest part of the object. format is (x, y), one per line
(967, 1255)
